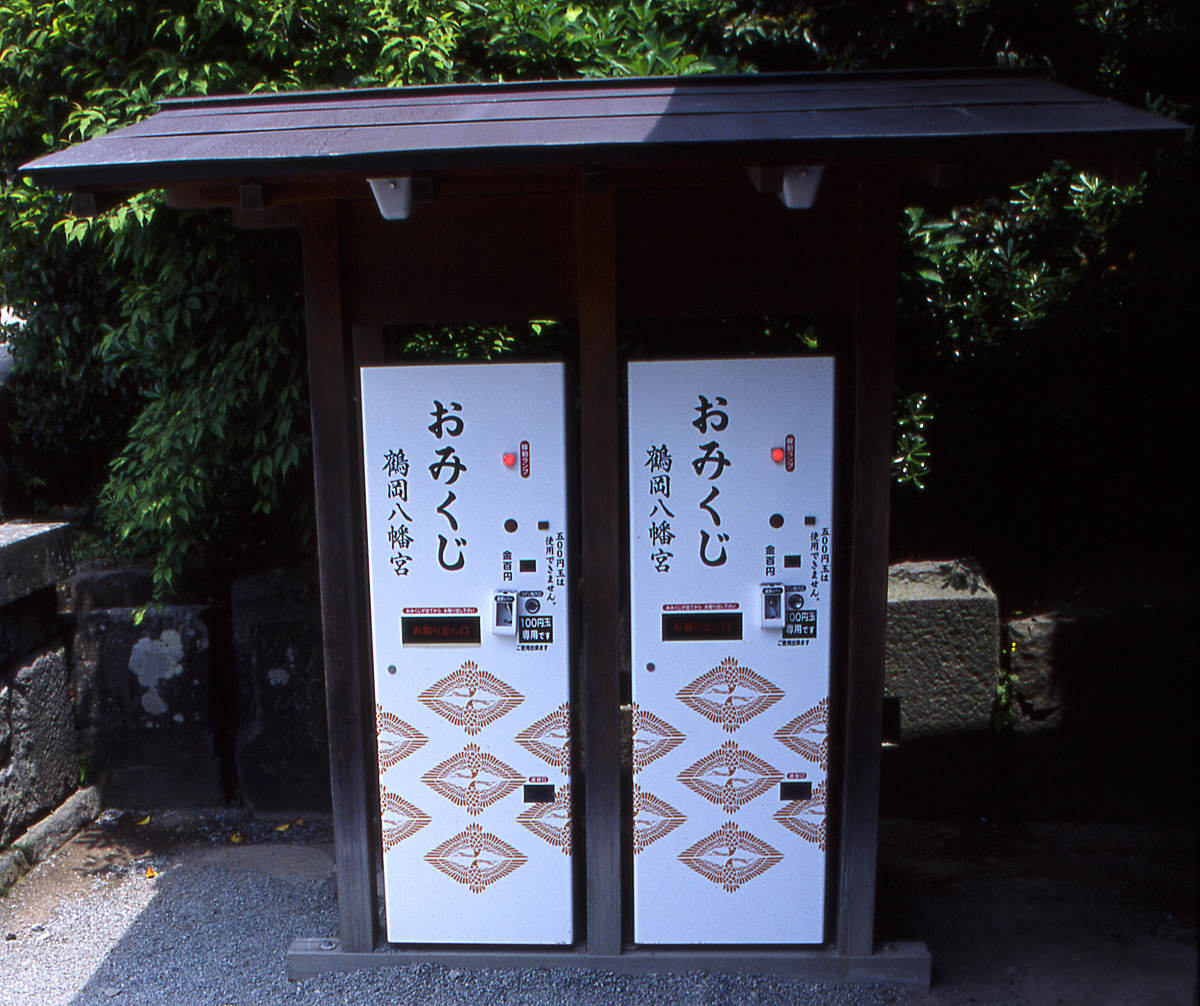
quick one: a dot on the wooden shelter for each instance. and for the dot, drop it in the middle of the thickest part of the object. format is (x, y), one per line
(606, 202)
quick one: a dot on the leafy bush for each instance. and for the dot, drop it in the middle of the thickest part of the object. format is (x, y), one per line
(160, 366)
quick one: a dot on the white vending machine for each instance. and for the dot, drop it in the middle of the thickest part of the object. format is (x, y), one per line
(730, 524)
(466, 511)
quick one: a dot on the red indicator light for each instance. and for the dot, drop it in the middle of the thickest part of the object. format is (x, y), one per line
(777, 455)
(509, 459)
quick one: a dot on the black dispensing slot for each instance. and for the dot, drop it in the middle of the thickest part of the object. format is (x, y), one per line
(435, 630)
(794, 791)
(698, 627)
(539, 792)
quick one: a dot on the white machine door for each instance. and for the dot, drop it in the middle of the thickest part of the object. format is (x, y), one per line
(466, 512)
(730, 522)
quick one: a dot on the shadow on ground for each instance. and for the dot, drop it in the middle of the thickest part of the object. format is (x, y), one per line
(1049, 913)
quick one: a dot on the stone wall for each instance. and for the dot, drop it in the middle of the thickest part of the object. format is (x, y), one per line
(143, 705)
(38, 745)
(192, 706)
(940, 673)
(282, 748)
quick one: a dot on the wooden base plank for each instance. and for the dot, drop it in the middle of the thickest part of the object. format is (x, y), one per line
(900, 963)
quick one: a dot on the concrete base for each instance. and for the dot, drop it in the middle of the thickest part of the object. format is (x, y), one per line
(905, 963)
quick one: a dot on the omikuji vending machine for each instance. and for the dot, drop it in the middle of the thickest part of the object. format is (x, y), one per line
(466, 512)
(730, 558)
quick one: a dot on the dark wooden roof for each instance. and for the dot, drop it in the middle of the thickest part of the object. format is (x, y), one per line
(822, 118)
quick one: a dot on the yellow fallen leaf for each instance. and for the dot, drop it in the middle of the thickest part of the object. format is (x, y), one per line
(236, 838)
(151, 873)
(284, 826)
(144, 820)
(299, 822)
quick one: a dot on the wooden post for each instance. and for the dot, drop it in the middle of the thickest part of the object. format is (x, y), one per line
(872, 351)
(600, 506)
(335, 452)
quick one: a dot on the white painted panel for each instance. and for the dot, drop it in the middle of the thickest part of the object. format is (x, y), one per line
(465, 501)
(730, 702)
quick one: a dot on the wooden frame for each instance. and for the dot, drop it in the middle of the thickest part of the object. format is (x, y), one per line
(573, 241)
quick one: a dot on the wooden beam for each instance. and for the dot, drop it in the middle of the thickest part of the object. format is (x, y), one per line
(461, 258)
(271, 218)
(730, 252)
(874, 221)
(600, 506)
(352, 759)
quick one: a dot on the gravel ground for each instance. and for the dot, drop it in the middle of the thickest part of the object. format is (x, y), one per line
(213, 923)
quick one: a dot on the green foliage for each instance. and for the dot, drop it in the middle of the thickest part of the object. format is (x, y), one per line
(479, 342)
(1004, 704)
(160, 365)
(118, 335)
(1004, 708)
(985, 284)
(988, 272)
(536, 40)
(910, 462)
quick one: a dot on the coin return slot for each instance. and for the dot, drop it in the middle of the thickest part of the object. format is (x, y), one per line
(791, 790)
